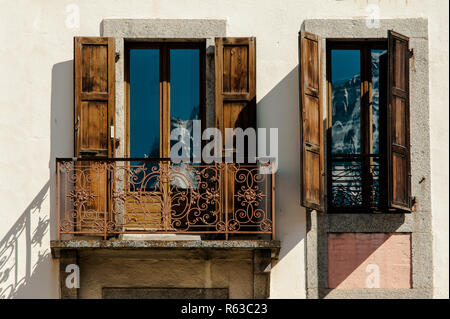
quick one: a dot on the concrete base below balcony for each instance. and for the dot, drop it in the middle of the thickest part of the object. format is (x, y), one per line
(241, 267)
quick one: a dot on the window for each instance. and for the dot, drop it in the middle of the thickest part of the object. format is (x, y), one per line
(165, 90)
(165, 86)
(367, 131)
(357, 82)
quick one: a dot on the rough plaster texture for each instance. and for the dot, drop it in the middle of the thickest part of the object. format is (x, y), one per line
(36, 120)
(417, 223)
(182, 269)
(369, 260)
(164, 293)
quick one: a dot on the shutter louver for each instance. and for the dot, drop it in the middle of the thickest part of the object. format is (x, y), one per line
(312, 193)
(398, 159)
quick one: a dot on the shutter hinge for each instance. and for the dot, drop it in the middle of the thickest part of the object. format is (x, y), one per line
(112, 131)
(322, 172)
(411, 53)
(77, 125)
(414, 203)
(117, 56)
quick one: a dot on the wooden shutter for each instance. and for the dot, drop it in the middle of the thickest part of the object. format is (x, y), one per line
(311, 121)
(94, 96)
(398, 159)
(94, 86)
(235, 81)
(235, 72)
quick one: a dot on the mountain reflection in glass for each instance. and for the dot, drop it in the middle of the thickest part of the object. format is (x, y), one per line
(346, 101)
(346, 127)
(378, 67)
(144, 112)
(355, 161)
(184, 103)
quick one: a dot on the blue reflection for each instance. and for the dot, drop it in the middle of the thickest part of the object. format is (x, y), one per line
(346, 101)
(184, 107)
(144, 115)
(144, 103)
(184, 94)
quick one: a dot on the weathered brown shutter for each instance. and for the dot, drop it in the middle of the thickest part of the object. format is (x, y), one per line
(311, 121)
(94, 61)
(398, 159)
(235, 72)
(94, 86)
(235, 82)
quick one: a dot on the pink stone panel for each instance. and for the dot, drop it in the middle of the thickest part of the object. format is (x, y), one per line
(369, 260)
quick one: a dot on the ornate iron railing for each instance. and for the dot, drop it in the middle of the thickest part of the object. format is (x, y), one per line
(354, 181)
(109, 197)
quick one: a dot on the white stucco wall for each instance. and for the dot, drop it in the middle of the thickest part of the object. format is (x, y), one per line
(36, 89)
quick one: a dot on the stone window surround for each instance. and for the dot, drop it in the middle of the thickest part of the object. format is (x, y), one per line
(418, 223)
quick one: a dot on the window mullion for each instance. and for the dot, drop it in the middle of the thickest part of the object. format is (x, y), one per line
(366, 127)
(164, 102)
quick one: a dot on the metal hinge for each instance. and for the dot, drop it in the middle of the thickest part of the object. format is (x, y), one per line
(411, 53)
(77, 125)
(117, 56)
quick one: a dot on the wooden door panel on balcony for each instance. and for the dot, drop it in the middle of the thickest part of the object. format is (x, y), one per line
(91, 202)
(143, 214)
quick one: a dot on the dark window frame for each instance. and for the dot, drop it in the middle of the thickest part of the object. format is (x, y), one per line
(365, 46)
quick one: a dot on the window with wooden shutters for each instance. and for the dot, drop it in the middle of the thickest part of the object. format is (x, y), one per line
(94, 62)
(311, 121)
(368, 153)
(399, 170)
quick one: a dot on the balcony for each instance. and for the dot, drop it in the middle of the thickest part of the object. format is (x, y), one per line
(109, 198)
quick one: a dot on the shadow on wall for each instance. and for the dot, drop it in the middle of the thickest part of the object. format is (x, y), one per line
(26, 267)
(17, 272)
(281, 110)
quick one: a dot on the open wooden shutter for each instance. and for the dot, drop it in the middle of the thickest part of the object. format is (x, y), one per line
(94, 85)
(94, 96)
(235, 71)
(235, 82)
(398, 159)
(312, 193)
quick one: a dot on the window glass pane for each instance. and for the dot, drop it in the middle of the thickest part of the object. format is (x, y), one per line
(379, 78)
(144, 103)
(184, 107)
(184, 93)
(144, 116)
(346, 101)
